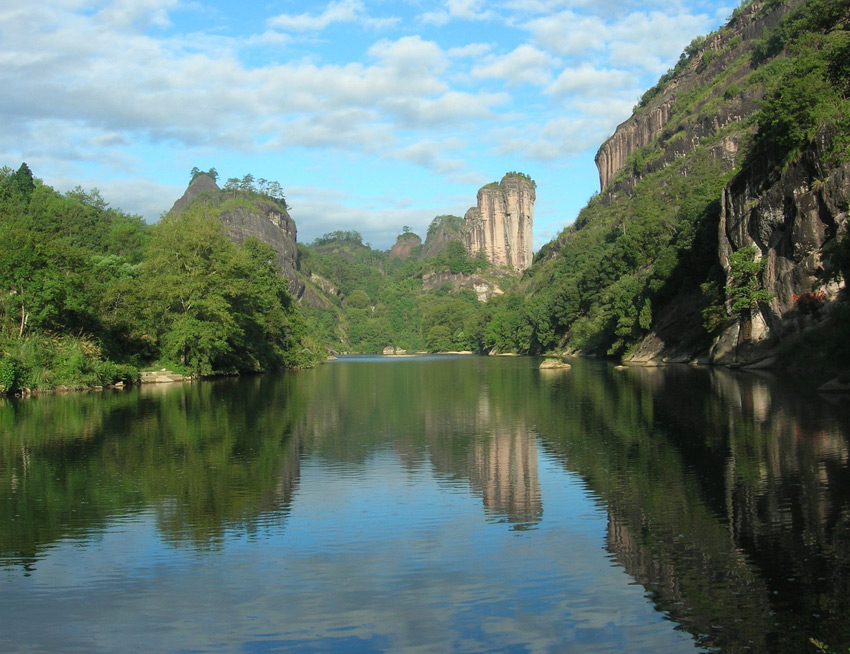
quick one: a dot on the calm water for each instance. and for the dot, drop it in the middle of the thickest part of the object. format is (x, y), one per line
(431, 504)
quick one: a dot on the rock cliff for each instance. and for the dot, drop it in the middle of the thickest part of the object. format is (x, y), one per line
(442, 231)
(501, 225)
(404, 245)
(259, 217)
(789, 217)
(483, 288)
(789, 213)
(667, 125)
(271, 224)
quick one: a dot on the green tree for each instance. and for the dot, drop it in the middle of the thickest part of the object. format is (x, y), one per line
(189, 289)
(745, 290)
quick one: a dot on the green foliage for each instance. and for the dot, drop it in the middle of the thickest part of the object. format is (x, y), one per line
(350, 237)
(808, 89)
(42, 363)
(745, 289)
(524, 176)
(88, 293)
(449, 223)
(804, 99)
(212, 306)
(8, 375)
(249, 186)
(456, 259)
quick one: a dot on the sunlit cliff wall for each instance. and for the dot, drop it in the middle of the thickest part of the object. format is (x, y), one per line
(501, 225)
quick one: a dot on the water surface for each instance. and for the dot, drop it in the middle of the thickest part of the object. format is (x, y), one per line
(429, 504)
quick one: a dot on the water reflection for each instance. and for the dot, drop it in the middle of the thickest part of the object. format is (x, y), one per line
(725, 495)
(205, 459)
(727, 498)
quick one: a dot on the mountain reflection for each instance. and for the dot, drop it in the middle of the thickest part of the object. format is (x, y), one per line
(727, 494)
(464, 424)
(204, 459)
(727, 497)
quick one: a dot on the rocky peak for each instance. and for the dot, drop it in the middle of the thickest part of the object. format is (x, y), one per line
(200, 184)
(262, 218)
(404, 245)
(501, 225)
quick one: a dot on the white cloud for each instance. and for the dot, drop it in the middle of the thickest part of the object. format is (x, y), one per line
(472, 50)
(432, 155)
(649, 39)
(344, 11)
(143, 13)
(469, 10)
(526, 64)
(410, 55)
(585, 79)
(569, 33)
(450, 109)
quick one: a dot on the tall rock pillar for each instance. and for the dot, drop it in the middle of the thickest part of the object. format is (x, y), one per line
(501, 225)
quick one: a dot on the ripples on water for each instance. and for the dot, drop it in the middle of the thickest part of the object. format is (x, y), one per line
(443, 504)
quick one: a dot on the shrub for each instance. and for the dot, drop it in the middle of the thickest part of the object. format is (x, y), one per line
(8, 379)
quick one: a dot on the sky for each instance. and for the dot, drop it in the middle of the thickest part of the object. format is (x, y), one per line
(372, 116)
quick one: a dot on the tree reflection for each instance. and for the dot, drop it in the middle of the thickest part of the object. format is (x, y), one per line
(727, 497)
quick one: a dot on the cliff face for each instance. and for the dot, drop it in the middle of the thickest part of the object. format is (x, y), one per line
(502, 224)
(673, 130)
(264, 220)
(437, 240)
(789, 213)
(483, 289)
(404, 244)
(789, 218)
(270, 224)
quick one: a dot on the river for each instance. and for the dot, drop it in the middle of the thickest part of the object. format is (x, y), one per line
(429, 504)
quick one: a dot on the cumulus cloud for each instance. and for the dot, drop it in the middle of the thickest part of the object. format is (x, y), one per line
(524, 65)
(569, 33)
(585, 79)
(433, 155)
(649, 39)
(125, 13)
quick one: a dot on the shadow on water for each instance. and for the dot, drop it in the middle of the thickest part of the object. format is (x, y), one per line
(728, 496)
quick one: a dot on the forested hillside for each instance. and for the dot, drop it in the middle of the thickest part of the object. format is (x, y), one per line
(91, 294)
(377, 302)
(647, 269)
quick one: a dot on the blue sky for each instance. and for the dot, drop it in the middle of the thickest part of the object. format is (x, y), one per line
(371, 115)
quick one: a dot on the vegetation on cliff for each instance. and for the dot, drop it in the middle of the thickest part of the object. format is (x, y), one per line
(643, 256)
(90, 294)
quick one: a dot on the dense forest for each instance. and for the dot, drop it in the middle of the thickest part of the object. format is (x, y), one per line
(89, 294)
